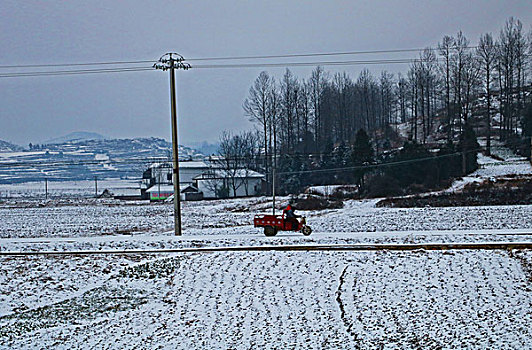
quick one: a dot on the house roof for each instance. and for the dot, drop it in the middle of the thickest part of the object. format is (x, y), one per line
(193, 164)
(182, 164)
(225, 174)
(170, 188)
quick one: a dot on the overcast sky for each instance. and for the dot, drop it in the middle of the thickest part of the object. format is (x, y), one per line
(136, 104)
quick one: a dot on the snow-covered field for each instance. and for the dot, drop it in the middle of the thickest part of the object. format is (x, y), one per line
(250, 300)
(68, 189)
(262, 300)
(315, 300)
(235, 217)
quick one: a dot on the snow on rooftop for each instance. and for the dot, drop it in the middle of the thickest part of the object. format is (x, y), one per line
(223, 174)
(167, 188)
(183, 164)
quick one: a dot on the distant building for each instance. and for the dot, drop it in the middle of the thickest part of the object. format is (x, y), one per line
(220, 183)
(199, 180)
(160, 192)
(161, 173)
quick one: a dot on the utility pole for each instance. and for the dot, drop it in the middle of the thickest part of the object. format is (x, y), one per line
(46, 188)
(96, 187)
(273, 189)
(530, 137)
(159, 184)
(172, 61)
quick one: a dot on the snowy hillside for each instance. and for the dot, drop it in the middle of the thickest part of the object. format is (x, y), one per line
(75, 136)
(9, 147)
(85, 159)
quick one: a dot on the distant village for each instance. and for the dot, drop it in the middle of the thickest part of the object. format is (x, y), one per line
(200, 180)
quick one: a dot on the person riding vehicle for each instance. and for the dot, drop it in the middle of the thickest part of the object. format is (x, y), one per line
(289, 212)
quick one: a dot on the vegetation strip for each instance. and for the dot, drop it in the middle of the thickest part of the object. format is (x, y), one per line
(318, 247)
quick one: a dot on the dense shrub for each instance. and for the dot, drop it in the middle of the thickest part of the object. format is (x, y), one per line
(313, 202)
(383, 186)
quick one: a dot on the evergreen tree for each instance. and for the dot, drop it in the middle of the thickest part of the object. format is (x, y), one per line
(341, 158)
(419, 166)
(289, 183)
(449, 162)
(526, 123)
(469, 148)
(362, 154)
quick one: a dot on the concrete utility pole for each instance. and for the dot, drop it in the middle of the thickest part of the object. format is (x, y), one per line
(273, 190)
(172, 61)
(530, 137)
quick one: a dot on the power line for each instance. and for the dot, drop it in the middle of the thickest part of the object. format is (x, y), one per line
(74, 72)
(222, 58)
(73, 64)
(163, 160)
(371, 166)
(221, 66)
(211, 66)
(166, 159)
(319, 63)
(305, 64)
(125, 161)
(341, 53)
(82, 162)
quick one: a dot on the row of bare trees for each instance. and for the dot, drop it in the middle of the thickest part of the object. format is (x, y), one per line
(440, 92)
(238, 156)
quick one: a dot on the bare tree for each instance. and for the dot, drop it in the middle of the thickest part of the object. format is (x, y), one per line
(511, 59)
(258, 107)
(387, 97)
(471, 79)
(402, 93)
(236, 153)
(326, 111)
(305, 108)
(487, 53)
(413, 82)
(458, 61)
(426, 81)
(289, 86)
(317, 82)
(445, 49)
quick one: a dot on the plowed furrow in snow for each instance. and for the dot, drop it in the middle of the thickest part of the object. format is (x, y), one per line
(441, 300)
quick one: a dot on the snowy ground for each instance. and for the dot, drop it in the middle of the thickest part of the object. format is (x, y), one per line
(262, 300)
(299, 300)
(491, 168)
(315, 300)
(69, 189)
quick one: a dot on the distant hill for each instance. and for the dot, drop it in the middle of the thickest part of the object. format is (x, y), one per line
(84, 159)
(123, 148)
(75, 137)
(9, 147)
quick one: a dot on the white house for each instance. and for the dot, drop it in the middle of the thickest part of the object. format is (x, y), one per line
(190, 169)
(159, 192)
(161, 173)
(219, 183)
